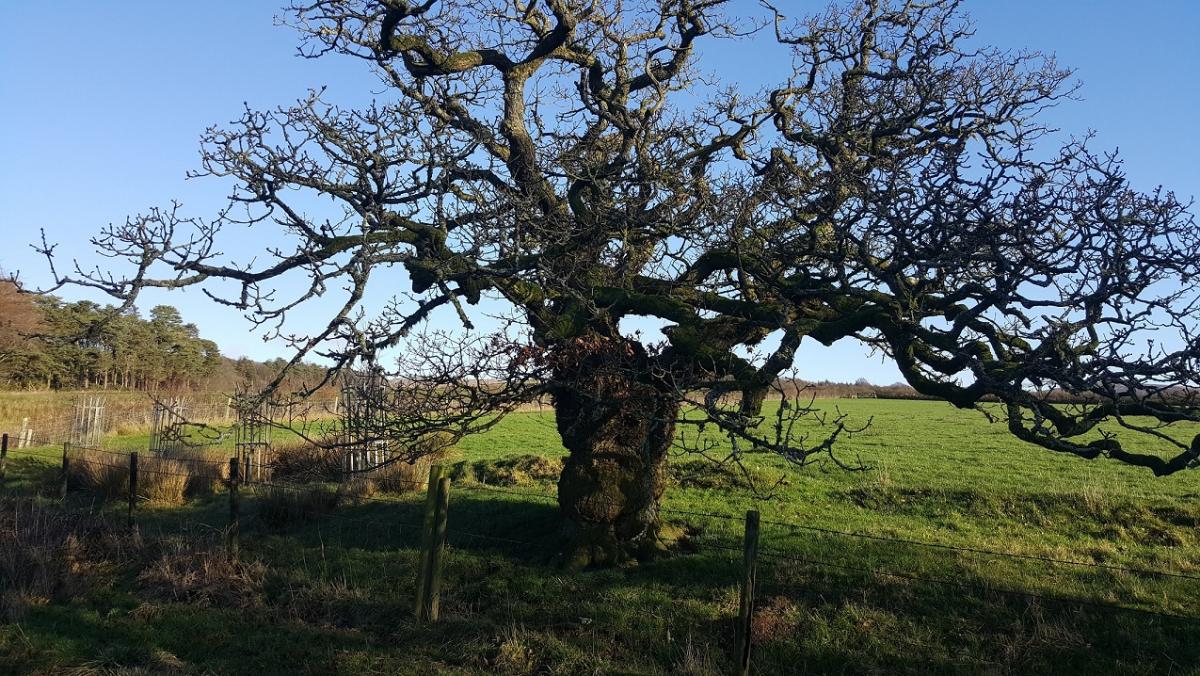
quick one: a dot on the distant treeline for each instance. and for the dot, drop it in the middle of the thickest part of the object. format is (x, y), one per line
(860, 389)
(863, 389)
(48, 343)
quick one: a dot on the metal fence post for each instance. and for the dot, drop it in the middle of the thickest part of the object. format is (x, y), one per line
(133, 485)
(232, 541)
(3, 458)
(66, 466)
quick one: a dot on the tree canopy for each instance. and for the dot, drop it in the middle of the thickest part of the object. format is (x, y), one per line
(51, 343)
(577, 160)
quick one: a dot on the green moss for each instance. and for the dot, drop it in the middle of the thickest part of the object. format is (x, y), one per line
(520, 470)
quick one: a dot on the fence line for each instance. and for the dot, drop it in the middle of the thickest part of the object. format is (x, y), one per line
(437, 535)
(480, 487)
(776, 555)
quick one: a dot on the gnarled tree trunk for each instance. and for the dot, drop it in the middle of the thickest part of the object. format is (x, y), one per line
(618, 428)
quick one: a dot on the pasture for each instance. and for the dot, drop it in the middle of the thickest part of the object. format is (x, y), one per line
(1039, 564)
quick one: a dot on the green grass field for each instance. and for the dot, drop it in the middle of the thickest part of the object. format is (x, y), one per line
(334, 594)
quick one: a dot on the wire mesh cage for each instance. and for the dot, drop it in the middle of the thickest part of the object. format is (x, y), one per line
(87, 422)
(363, 408)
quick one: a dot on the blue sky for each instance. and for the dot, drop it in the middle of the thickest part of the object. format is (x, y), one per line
(103, 103)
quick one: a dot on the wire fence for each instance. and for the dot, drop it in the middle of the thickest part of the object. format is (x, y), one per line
(120, 460)
(42, 423)
(362, 519)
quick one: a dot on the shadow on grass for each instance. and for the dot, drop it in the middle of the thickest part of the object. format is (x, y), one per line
(526, 532)
(342, 584)
(28, 474)
(178, 638)
(835, 620)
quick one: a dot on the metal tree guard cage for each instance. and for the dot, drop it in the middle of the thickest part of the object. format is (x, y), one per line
(87, 425)
(167, 433)
(252, 435)
(364, 417)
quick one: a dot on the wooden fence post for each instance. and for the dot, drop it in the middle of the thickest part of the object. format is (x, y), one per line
(232, 541)
(744, 634)
(3, 458)
(133, 485)
(425, 563)
(66, 466)
(434, 585)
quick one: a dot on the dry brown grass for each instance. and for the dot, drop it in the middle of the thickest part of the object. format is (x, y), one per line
(697, 659)
(402, 477)
(281, 506)
(50, 412)
(515, 653)
(160, 480)
(103, 474)
(302, 461)
(207, 470)
(48, 556)
(777, 618)
(201, 573)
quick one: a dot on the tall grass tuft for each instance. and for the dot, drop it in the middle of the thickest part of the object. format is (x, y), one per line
(207, 470)
(47, 555)
(306, 462)
(161, 480)
(403, 476)
(202, 574)
(302, 461)
(280, 506)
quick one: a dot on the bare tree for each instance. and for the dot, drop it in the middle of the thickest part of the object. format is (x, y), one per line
(572, 158)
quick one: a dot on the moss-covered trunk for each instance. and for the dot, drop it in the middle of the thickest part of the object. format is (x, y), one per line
(618, 426)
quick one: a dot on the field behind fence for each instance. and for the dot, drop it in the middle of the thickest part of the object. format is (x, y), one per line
(128, 418)
(50, 417)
